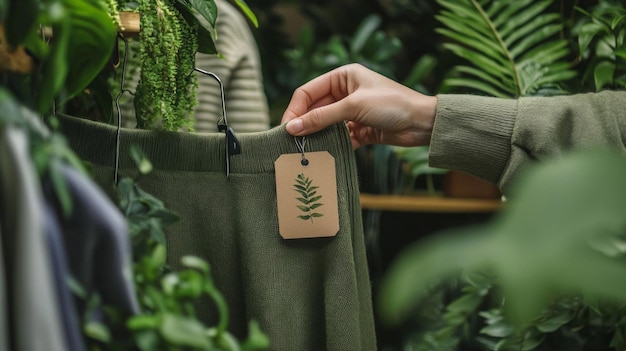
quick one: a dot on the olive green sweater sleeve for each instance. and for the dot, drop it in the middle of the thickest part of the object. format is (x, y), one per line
(495, 138)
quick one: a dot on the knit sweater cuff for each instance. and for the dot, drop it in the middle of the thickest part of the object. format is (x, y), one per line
(473, 134)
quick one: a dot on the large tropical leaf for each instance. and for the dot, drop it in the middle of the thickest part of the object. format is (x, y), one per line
(602, 45)
(20, 18)
(84, 36)
(512, 47)
(90, 43)
(206, 31)
(248, 12)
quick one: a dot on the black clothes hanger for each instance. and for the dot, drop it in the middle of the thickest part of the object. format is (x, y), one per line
(117, 104)
(232, 143)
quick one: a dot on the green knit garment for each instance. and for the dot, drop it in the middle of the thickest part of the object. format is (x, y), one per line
(307, 294)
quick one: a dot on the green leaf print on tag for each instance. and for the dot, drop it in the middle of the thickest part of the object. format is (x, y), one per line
(308, 197)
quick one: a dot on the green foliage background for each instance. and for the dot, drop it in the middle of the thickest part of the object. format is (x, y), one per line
(524, 282)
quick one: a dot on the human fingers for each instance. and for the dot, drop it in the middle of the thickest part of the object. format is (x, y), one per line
(316, 92)
(289, 115)
(322, 90)
(320, 118)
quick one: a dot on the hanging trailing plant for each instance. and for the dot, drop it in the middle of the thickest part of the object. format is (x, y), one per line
(166, 90)
(170, 35)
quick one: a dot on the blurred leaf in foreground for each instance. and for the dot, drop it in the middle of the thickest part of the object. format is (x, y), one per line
(559, 234)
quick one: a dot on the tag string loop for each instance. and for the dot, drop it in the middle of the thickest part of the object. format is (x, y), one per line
(300, 144)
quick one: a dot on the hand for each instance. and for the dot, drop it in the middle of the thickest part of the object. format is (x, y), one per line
(377, 110)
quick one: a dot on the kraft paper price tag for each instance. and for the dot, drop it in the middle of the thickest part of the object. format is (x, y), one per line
(307, 195)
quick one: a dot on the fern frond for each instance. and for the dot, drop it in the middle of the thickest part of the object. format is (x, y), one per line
(512, 47)
(305, 188)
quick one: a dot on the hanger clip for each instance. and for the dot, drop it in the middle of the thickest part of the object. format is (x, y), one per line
(234, 148)
(232, 143)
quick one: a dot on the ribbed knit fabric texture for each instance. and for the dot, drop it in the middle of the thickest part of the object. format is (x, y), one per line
(472, 134)
(239, 70)
(307, 294)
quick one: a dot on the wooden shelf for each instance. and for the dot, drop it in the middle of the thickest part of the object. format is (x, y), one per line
(428, 204)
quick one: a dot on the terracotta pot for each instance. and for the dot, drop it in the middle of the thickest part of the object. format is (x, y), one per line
(463, 185)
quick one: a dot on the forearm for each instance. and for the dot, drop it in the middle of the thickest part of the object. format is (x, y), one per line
(497, 138)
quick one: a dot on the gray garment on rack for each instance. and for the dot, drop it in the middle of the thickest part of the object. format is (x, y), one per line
(34, 318)
(66, 301)
(97, 244)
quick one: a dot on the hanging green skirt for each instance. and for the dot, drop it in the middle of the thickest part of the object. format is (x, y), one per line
(307, 294)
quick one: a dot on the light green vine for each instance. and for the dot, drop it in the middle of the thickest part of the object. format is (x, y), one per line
(167, 87)
(113, 11)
